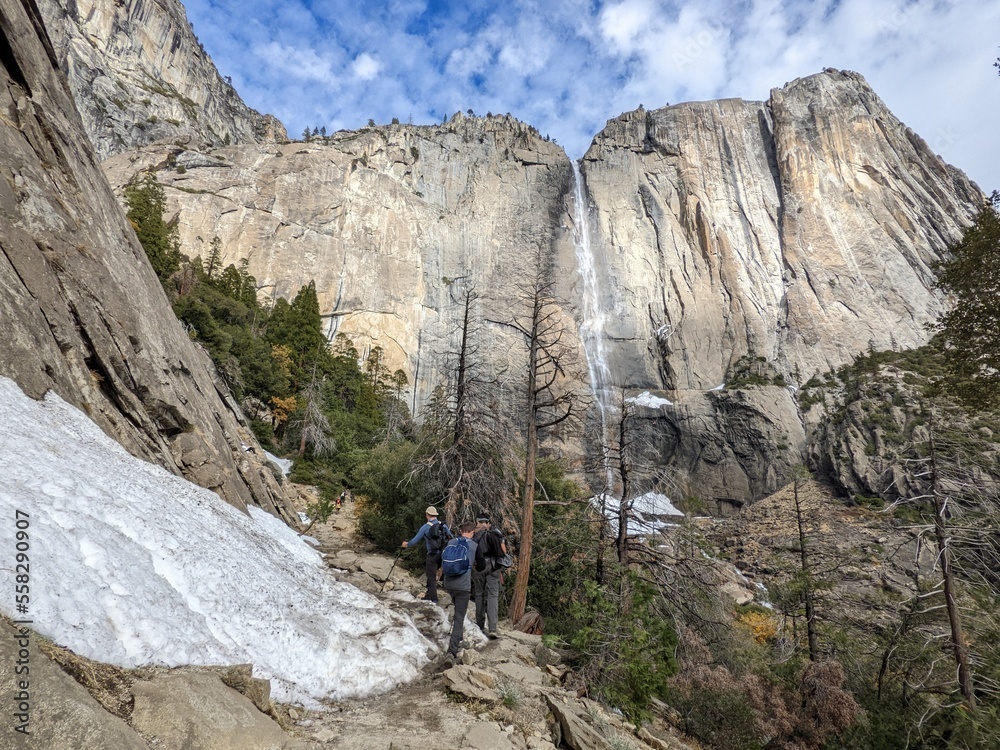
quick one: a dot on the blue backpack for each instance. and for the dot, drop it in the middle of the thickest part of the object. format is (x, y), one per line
(455, 558)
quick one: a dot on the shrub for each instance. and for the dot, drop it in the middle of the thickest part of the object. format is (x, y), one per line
(627, 643)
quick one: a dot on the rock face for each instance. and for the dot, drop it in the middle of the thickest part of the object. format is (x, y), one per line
(751, 244)
(756, 244)
(798, 230)
(139, 74)
(82, 312)
(394, 224)
(870, 428)
(61, 715)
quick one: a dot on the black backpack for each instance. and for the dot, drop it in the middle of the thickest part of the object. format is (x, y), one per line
(439, 534)
(493, 539)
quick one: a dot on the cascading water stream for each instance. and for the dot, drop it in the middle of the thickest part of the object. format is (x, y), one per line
(592, 325)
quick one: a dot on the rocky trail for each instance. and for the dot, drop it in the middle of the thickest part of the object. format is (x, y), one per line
(513, 693)
(506, 694)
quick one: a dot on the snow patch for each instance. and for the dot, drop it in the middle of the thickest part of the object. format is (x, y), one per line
(655, 504)
(285, 464)
(134, 566)
(647, 399)
(649, 512)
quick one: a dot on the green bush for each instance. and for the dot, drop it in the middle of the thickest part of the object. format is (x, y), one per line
(721, 717)
(394, 501)
(627, 642)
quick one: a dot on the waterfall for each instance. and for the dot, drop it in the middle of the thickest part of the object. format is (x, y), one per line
(592, 324)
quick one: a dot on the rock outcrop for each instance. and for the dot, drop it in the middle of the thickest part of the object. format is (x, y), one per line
(82, 311)
(139, 74)
(73, 703)
(870, 427)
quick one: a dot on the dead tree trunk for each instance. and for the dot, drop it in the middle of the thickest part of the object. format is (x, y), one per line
(519, 597)
(808, 594)
(958, 641)
(625, 472)
(543, 408)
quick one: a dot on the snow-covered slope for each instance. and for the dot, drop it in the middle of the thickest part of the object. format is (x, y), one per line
(134, 566)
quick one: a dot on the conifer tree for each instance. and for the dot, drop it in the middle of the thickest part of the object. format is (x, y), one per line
(299, 327)
(971, 329)
(146, 207)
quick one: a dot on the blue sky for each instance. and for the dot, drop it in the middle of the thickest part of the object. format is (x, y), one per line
(567, 66)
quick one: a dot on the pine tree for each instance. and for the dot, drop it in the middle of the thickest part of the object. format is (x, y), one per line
(146, 206)
(971, 329)
(299, 326)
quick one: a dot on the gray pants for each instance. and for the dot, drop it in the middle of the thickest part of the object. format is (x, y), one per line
(486, 586)
(461, 601)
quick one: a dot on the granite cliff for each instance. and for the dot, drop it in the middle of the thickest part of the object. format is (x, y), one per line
(770, 229)
(393, 223)
(748, 245)
(757, 244)
(83, 314)
(139, 74)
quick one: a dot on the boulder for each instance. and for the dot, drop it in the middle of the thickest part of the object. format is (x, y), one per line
(525, 675)
(544, 656)
(241, 679)
(62, 714)
(345, 559)
(486, 736)
(375, 566)
(575, 727)
(195, 711)
(471, 682)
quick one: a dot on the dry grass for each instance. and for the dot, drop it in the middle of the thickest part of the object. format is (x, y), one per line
(110, 686)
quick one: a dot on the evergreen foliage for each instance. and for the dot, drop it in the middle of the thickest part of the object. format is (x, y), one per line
(146, 205)
(971, 329)
(627, 642)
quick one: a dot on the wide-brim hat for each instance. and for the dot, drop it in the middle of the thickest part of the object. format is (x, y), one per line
(431, 510)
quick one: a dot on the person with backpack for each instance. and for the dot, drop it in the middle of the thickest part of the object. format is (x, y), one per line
(460, 557)
(435, 534)
(486, 584)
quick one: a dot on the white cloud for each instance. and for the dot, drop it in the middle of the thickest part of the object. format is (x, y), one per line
(622, 23)
(304, 64)
(567, 66)
(366, 67)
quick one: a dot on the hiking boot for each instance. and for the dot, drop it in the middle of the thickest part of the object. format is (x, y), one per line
(493, 635)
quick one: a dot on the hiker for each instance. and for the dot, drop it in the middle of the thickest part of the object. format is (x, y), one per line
(435, 535)
(486, 584)
(459, 558)
(342, 499)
